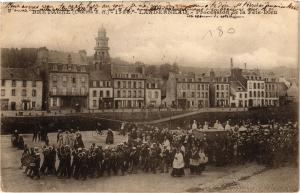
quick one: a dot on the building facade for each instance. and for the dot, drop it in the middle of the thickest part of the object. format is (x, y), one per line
(272, 91)
(65, 77)
(192, 91)
(21, 89)
(256, 93)
(128, 86)
(256, 88)
(219, 90)
(238, 95)
(101, 89)
(68, 86)
(153, 92)
(293, 93)
(170, 91)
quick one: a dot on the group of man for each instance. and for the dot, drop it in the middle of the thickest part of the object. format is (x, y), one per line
(272, 144)
(152, 149)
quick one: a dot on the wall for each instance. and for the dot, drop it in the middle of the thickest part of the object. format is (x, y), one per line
(151, 99)
(97, 97)
(68, 84)
(18, 98)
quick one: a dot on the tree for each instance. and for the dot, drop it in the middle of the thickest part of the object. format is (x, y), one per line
(18, 58)
(164, 70)
(175, 68)
(151, 70)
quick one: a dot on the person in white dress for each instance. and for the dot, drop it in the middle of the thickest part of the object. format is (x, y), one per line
(194, 126)
(205, 126)
(203, 161)
(220, 126)
(227, 126)
(216, 125)
(178, 165)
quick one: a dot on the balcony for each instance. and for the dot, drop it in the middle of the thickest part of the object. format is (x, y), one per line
(68, 93)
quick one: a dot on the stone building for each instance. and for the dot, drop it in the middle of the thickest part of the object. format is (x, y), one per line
(192, 91)
(238, 95)
(65, 78)
(219, 90)
(170, 91)
(293, 93)
(101, 89)
(256, 89)
(153, 92)
(272, 91)
(128, 85)
(282, 92)
(21, 89)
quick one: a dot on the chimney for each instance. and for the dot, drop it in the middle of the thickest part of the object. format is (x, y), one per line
(245, 64)
(231, 63)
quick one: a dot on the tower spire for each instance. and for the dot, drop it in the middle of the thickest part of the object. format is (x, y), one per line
(101, 57)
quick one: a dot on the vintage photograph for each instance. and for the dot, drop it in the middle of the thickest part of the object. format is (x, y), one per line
(194, 96)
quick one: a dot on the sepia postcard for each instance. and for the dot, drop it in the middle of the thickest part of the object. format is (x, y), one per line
(149, 96)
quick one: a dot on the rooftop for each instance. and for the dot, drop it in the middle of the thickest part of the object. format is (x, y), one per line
(19, 74)
(55, 56)
(237, 86)
(124, 70)
(99, 75)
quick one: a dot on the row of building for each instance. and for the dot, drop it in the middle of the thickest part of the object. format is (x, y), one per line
(64, 80)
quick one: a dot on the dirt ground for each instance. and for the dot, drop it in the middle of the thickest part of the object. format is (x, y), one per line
(249, 177)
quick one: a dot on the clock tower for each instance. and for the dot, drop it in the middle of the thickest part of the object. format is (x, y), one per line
(101, 56)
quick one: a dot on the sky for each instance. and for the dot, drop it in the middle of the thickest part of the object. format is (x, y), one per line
(260, 41)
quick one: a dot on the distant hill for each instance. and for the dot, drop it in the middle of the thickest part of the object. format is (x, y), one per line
(18, 58)
(26, 57)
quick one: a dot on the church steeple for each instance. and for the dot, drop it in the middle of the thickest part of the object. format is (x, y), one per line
(101, 57)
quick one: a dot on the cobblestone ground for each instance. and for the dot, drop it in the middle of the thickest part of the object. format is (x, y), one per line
(285, 179)
(249, 177)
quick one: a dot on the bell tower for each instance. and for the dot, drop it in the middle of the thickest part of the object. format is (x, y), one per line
(101, 56)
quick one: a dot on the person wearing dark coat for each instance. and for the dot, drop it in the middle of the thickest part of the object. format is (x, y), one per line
(21, 143)
(83, 165)
(35, 134)
(121, 160)
(35, 165)
(133, 160)
(99, 161)
(110, 137)
(52, 160)
(107, 161)
(78, 143)
(46, 161)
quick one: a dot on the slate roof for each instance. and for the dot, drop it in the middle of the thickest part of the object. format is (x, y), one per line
(63, 57)
(99, 75)
(237, 86)
(19, 74)
(117, 69)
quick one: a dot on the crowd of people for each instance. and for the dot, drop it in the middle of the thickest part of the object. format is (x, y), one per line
(154, 149)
